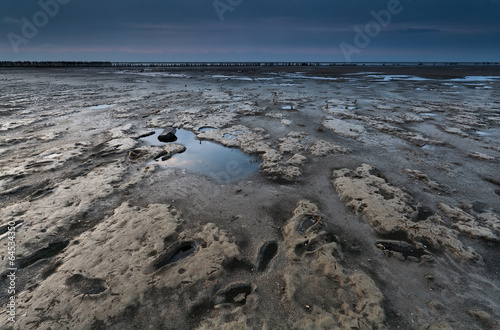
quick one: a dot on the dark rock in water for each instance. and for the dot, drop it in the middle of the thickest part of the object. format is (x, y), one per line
(168, 135)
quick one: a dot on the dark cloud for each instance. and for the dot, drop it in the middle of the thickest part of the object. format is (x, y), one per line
(173, 30)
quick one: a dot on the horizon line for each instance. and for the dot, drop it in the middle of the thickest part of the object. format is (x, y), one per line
(231, 63)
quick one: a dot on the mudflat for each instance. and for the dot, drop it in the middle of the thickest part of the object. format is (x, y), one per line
(290, 198)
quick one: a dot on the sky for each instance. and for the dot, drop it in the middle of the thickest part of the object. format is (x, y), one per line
(250, 30)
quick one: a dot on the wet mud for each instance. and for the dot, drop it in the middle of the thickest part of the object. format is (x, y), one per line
(335, 197)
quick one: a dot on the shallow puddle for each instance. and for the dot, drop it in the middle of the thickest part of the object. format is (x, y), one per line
(102, 106)
(305, 224)
(205, 129)
(220, 163)
(480, 133)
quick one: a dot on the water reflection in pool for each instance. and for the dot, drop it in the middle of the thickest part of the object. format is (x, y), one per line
(221, 163)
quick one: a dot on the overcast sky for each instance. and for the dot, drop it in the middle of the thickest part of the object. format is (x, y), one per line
(250, 30)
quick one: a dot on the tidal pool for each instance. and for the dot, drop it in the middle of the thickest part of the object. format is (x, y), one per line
(220, 163)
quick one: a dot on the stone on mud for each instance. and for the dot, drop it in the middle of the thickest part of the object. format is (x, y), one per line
(168, 135)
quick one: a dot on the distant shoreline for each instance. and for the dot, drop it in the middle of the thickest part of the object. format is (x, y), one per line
(74, 64)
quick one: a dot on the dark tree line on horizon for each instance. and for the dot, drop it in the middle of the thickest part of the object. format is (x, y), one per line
(53, 64)
(92, 64)
(40, 64)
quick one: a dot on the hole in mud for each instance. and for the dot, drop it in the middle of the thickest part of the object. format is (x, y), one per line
(199, 311)
(353, 247)
(406, 249)
(305, 224)
(180, 253)
(266, 254)
(51, 268)
(86, 285)
(423, 212)
(237, 264)
(497, 191)
(362, 207)
(300, 249)
(387, 195)
(98, 325)
(40, 194)
(304, 247)
(39, 164)
(479, 207)
(377, 173)
(223, 164)
(400, 235)
(52, 250)
(329, 238)
(4, 229)
(237, 294)
(205, 129)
